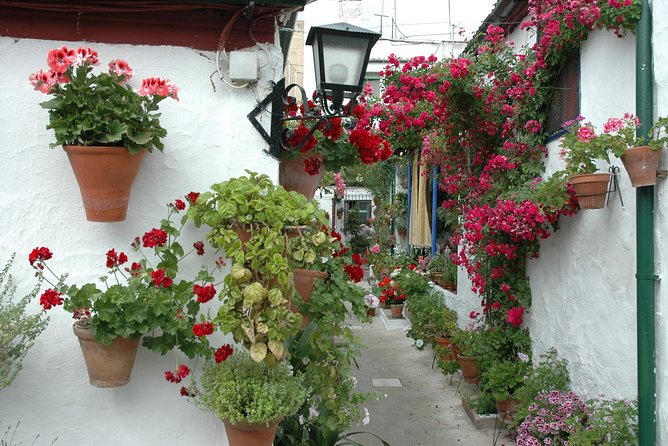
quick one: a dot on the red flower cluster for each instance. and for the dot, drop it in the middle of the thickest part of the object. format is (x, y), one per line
(159, 87)
(80, 313)
(355, 272)
(204, 293)
(223, 352)
(176, 376)
(154, 237)
(312, 165)
(199, 248)
(160, 278)
(391, 292)
(203, 329)
(50, 298)
(192, 197)
(39, 254)
(134, 269)
(371, 146)
(179, 204)
(114, 260)
(515, 316)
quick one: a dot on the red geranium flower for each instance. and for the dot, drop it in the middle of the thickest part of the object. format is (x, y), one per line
(179, 205)
(114, 259)
(159, 278)
(40, 254)
(50, 298)
(515, 316)
(204, 293)
(355, 272)
(199, 247)
(203, 329)
(154, 237)
(192, 197)
(224, 352)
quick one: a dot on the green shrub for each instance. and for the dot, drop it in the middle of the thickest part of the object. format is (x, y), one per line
(17, 329)
(242, 390)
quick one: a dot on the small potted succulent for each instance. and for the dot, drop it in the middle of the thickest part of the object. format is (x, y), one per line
(251, 398)
(104, 125)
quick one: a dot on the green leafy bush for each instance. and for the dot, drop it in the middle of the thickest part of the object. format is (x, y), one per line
(18, 330)
(240, 389)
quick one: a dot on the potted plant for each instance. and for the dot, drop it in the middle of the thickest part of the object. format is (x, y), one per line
(640, 155)
(503, 379)
(313, 146)
(371, 301)
(250, 397)
(467, 343)
(104, 125)
(580, 151)
(258, 289)
(442, 326)
(437, 267)
(393, 295)
(134, 298)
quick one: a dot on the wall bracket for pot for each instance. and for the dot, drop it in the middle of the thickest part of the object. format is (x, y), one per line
(662, 173)
(614, 170)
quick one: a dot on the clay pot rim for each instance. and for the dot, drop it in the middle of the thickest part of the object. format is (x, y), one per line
(97, 149)
(313, 273)
(252, 427)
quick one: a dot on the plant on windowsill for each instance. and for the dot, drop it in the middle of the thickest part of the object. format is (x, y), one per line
(104, 125)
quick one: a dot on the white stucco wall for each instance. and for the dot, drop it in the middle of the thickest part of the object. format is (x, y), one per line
(209, 140)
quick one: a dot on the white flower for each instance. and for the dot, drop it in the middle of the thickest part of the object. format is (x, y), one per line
(395, 273)
(522, 357)
(354, 381)
(302, 420)
(312, 412)
(371, 301)
(419, 343)
(366, 418)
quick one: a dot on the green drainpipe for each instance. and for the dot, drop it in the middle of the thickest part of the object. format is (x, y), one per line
(646, 276)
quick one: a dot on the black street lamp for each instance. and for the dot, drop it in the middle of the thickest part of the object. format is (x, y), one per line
(341, 54)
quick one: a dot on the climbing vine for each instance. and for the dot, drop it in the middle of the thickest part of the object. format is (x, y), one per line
(481, 118)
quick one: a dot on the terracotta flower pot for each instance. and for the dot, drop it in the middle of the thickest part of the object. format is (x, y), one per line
(507, 409)
(304, 283)
(243, 233)
(108, 365)
(445, 342)
(470, 370)
(371, 312)
(641, 163)
(397, 311)
(244, 434)
(292, 177)
(105, 176)
(591, 189)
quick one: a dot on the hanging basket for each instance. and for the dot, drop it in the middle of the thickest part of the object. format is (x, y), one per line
(108, 365)
(105, 176)
(292, 177)
(591, 189)
(641, 163)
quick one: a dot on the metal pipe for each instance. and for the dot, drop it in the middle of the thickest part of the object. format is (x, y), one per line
(646, 275)
(408, 211)
(434, 199)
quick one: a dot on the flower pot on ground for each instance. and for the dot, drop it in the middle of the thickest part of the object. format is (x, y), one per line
(397, 310)
(371, 302)
(371, 312)
(445, 342)
(108, 365)
(105, 176)
(101, 113)
(470, 370)
(507, 409)
(249, 397)
(591, 189)
(642, 163)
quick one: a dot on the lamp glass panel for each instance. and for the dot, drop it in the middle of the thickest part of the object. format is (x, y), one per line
(316, 60)
(343, 58)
